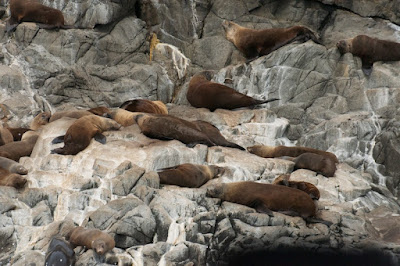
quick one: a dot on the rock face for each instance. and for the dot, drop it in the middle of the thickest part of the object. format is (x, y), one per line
(326, 102)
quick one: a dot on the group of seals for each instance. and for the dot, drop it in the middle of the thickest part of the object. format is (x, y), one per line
(17, 149)
(10, 173)
(189, 175)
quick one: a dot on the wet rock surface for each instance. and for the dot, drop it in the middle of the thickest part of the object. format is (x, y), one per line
(326, 102)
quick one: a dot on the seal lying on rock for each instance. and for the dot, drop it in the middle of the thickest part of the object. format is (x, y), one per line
(203, 93)
(315, 162)
(253, 43)
(267, 197)
(307, 187)
(72, 114)
(33, 11)
(12, 166)
(81, 132)
(95, 239)
(11, 179)
(17, 149)
(59, 253)
(370, 50)
(189, 175)
(282, 151)
(145, 106)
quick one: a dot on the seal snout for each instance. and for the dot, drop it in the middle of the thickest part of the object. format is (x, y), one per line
(341, 45)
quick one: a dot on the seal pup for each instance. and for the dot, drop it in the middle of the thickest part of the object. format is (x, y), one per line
(12, 166)
(95, 239)
(189, 175)
(254, 43)
(267, 197)
(59, 253)
(168, 127)
(315, 162)
(282, 151)
(145, 106)
(40, 120)
(11, 179)
(203, 93)
(33, 11)
(370, 50)
(17, 149)
(307, 187)
(215, 135)
(81, 132)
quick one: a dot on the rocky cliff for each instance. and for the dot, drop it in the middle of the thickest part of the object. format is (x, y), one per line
(326, 102)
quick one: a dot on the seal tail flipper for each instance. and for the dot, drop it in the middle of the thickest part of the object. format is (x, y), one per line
(58, 139)
(267, 101)
(262, 208)
(57, 151)
(236, 146)
(317, 220)
(100, 138)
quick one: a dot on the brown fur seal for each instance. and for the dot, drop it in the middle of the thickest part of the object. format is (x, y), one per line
(72, 114)
(11, 179)
(81, 132)
(17, 149)
(266, 198)
(315, 162)
(189, 175)
(40, 120)
(12, 166)
(203, 93)
(214, 134)
(370, 50)
(281, 151)
(5, 136)
(17, 132)
(307, 187)
(145, 106)
(253, 43)
(95, 239)
(59, 253)
(33, 11)
(168, 127)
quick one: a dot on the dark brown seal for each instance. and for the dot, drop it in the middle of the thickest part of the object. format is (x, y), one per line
(40, 120)
(168, 127)
(145, 106)
(307, 187)
(266, 198)
(59, 253)
(17, 132)
(315, 162)
(189, 175)
(203, 93)
(17, 149)
(370, 50)
(214, 134)
(11, 179)
(281, 151)
(95, 239)
(253, 43)
(33, 11)
(81, 132)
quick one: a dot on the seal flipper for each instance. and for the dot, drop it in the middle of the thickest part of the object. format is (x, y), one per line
(366, 67)
(317, 220)
(100, 138)
(58, 139)
(262, 208)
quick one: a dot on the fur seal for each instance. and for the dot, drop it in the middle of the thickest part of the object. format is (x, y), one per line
(33, 11)
(145, 106)
(254, 43)
(40, 120)
(81, 132)
(17, 149)
(189, 175)
(307, 187)
(59, 253)
(203, 93)
(11, 179)
(17, 132)
(315, 162)
(95, 239)
(12, 166)
(215, 135)
(281, 151)
(370, 50)
(5, 136)
(72, 114)
(266, 198)
(168, 127)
